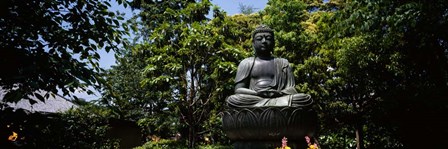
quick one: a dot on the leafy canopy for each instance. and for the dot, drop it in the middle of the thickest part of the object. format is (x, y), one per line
(51, 45)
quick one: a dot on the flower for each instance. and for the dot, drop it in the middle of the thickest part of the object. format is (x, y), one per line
(310, 145)
(13, 137)
(284, 144)
(308, 140)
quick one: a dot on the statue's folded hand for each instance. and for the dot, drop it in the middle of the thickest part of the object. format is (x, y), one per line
(245, 91)
(269, 93)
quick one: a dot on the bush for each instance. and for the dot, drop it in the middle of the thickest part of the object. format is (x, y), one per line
(79, 128)
(163, 144)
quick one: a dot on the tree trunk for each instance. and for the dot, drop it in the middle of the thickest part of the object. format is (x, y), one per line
(359, 136)
(191, 137)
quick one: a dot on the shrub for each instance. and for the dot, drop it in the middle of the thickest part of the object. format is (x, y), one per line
(163, 144)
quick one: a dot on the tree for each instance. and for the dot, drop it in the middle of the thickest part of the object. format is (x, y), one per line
(124, 95)
(304, 36)
(123, 91)
(393, 62)
(191, 60)
(246, 9)
(312, 42)
(51, 45)
(181, 49)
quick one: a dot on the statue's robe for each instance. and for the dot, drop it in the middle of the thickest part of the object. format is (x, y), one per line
(283, 83)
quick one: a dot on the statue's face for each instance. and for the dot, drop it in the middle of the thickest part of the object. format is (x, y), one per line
(263, 44)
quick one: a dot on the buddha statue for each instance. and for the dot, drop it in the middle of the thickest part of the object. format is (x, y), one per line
(264, 80)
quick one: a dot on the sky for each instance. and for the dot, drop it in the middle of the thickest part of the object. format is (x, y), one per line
(229, 6)
(232, 6)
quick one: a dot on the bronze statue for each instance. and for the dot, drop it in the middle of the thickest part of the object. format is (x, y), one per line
(266, 106)
(263, 80)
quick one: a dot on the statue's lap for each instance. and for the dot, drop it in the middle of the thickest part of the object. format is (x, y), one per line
(245, 100)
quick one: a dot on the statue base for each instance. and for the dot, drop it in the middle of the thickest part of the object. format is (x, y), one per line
(264, 127)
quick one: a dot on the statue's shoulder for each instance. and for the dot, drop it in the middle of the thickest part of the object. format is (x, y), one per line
(282, 60)
(246, 63)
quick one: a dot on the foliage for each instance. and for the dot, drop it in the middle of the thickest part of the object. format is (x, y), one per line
(53, 45)
(78, 128)
(175, 56)
(162, 144)
(361, 59)
(285, 17)
(372, 67)
(85, 128)
(188, 62)
(392, 59)
(123, 92)
(305, 41)
(377, 70)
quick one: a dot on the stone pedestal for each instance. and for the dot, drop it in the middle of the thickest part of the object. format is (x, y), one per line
(265, 127)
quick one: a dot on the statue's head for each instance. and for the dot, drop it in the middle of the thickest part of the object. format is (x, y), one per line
(263, 40)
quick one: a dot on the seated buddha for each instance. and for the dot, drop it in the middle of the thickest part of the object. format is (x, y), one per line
(264, 80)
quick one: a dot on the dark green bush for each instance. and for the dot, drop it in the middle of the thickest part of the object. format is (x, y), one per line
(164, 144)
(84, 127)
